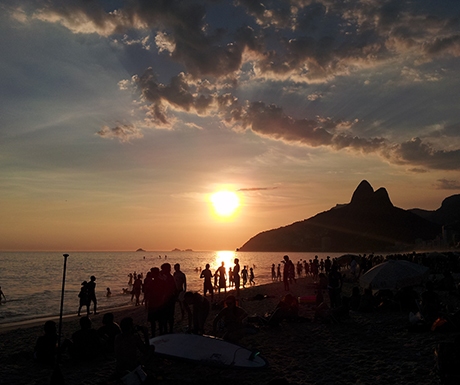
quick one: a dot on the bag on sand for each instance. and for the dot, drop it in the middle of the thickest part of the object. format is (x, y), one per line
(136, 377)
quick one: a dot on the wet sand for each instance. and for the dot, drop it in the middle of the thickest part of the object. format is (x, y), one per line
(367, 348)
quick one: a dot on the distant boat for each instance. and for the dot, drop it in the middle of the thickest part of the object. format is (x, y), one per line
(141, 250)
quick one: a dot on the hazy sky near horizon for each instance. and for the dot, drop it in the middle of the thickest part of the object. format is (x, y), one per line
(118, 119)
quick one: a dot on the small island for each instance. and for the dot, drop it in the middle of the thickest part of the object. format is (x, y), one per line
(140, 250)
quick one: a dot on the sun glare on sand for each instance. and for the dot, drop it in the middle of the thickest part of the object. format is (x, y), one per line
(225, 203)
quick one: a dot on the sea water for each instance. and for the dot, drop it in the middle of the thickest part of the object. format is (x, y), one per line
(32, 281)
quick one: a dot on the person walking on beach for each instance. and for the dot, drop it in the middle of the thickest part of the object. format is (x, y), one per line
(83, 295)
(236, 276)
(207, 285)
(92, 293)
(251, 277)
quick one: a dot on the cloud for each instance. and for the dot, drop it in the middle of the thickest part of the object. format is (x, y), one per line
(124, 133)
(257, 189)
(445, 184)
(302, 40)
(416, 152)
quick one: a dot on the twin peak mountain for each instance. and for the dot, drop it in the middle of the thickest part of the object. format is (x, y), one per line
(370, 222)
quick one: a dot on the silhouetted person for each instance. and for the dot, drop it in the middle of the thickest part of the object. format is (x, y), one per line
(129, 346)
(168, 289)
(288, 270)
(92, 293)
(236, 276)
(108, 331)
(137, 289)
(222, 277)
(197, 308)
(181, 286)
(46, 346)
(84, 299)
(230, 320)
(154, 300)
(207, 284)
(86, 344)
(334, 286)
(2, 295)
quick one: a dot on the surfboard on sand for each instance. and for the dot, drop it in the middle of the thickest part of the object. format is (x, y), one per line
(207, 350)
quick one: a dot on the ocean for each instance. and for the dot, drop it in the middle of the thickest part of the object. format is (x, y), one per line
(32, 281)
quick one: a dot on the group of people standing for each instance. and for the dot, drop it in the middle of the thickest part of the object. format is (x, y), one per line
(236, 278)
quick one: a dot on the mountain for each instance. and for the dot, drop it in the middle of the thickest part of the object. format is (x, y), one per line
(447, 214)
(370, 222)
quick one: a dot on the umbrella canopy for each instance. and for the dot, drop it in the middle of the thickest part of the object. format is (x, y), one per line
(346, 259)
(394, 275)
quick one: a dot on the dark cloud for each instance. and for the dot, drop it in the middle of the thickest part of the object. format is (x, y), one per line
(293, 40)
(445, 184)
(124, 133)
(416, 152)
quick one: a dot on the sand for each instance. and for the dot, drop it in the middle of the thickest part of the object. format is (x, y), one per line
(367, 348)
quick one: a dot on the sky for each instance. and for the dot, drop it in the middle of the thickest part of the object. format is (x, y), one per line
(119, 119)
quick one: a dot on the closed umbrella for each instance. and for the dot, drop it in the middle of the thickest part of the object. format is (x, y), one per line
(394, 275)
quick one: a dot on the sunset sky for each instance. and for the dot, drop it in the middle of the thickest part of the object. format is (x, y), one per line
(119, 119)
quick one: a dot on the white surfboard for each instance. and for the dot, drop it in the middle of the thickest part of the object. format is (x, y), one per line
(207, 350)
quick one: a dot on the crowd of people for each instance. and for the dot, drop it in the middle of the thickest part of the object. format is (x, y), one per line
(162, 288)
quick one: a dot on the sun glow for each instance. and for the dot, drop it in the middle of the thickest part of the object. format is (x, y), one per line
(225, 203)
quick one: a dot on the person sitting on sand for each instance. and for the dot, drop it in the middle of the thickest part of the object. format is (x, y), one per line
(287, 308)
(198, 314)
(229, 322)
(129, 347)
(108, 331)
(85, 344)
(46, 345)
(108, 292)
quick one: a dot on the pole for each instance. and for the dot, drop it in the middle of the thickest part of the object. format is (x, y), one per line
(57, 378)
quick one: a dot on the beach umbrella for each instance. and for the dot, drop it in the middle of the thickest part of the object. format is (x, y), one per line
(346, 259)
(394, 275)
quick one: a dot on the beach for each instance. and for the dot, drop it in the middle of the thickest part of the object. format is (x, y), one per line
(366, 348)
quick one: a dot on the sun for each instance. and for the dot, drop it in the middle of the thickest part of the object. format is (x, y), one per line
(225, 203)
